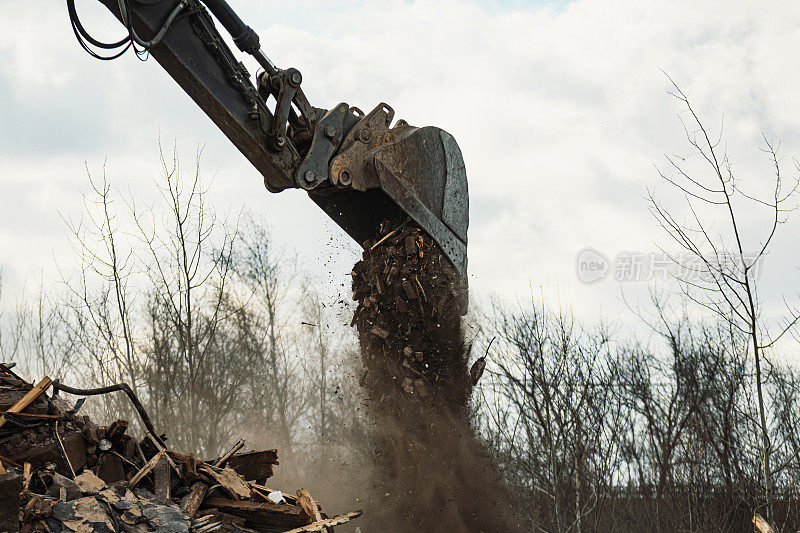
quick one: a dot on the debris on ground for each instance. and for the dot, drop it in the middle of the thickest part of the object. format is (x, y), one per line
(60, 472)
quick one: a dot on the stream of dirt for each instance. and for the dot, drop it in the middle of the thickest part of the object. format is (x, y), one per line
(432, 473)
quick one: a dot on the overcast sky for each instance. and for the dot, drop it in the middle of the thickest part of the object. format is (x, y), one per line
(560, 108)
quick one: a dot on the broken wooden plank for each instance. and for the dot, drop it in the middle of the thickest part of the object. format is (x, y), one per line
(146, 468)
(6, 368)
(116, 430)
(163, 478)
(10, 488)
(260, 514)
(263, 491)
(254, 466)
(229, 479)
(328, 522)
(192, 501)
(161, 448)
(236, 447)
(8, 461)
(88, 483)
(33, 415)
(27, 474)
(761, 524)
(28, 399)
(309, 506)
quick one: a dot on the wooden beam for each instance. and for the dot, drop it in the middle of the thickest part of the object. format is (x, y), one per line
(28, 399)
(26, 477)
(309, 506)
(328, 522)
(229, 479)
(260, 515)
(163, 478)
(236, 447)
(192, 501)
(761, 524)
(146, 468)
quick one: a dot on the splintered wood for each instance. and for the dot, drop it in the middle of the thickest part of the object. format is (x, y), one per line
(123, 484)
(28, 399)
(232, 482)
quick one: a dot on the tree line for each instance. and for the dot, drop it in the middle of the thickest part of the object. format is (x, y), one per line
(691, 428)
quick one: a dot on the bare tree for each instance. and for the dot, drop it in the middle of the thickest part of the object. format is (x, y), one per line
(276, 383)
(552, 415)
(99, 297)
(163, 312)
(718, 267)
(327, 365)
(48, 342)
(189, 267)
(11, 328)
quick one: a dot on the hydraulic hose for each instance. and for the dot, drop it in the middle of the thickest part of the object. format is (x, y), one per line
(123, 9)
(58, 386)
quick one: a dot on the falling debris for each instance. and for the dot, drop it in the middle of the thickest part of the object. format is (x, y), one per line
(411, 300)
(433, 471)
(63, 473)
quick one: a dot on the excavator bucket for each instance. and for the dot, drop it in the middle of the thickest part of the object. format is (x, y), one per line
(410, 172)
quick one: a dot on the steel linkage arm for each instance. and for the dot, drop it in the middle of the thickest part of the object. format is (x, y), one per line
(194, 54)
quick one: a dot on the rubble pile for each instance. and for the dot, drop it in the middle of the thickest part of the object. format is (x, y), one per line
(60, 472)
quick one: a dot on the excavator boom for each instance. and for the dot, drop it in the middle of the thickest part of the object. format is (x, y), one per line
(359, 168)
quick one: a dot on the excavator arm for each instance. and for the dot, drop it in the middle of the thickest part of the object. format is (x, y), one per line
(359, 168)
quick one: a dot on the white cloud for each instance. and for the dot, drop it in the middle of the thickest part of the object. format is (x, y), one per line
(560, 113)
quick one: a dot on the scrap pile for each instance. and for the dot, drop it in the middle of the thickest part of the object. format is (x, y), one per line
(60, 472)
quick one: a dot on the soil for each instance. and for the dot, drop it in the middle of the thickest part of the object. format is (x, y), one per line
(433, 474)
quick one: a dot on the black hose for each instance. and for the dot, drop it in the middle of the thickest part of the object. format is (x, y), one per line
(83, 36)
(57, 386)
(132, 39)
(124, 10)
(76, 23)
